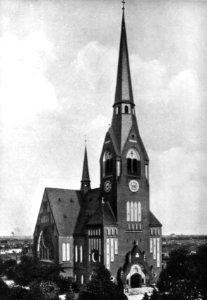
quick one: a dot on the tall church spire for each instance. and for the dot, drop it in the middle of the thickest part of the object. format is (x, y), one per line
(123, 83)
(85, 182)
(124, 113)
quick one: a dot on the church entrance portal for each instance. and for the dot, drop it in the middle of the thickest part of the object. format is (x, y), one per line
(136, 281)
(136, 277)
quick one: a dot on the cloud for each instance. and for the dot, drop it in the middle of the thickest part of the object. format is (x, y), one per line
(25, 89)
(169, 106)
(92, 73)
(177, 188)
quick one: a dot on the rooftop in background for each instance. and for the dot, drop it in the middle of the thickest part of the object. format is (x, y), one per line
(16, 237)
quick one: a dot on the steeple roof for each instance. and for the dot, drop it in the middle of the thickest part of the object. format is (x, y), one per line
(123, 83)
(85, 173)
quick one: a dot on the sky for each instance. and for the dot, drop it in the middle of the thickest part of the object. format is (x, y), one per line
(58, 62)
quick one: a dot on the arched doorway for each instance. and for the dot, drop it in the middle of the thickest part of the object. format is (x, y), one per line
(136, 280)
(136, 277)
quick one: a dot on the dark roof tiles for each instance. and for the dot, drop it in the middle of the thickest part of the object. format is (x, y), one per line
(103, 215)
(153, 221)
(65, 206)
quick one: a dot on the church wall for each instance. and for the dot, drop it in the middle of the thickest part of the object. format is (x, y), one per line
(80, 256)
(111, 252)
(154, 252)
(66, 257)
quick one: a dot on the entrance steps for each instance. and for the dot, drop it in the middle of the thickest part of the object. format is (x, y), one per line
(138, 293)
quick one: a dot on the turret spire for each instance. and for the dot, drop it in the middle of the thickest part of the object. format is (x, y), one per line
(85, 182)
(123, 83)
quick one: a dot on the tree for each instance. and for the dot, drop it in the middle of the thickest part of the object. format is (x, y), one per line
(4, 290)
(8, 268)
(145, 297)
(101, 287)
(29, 270)
(70, 294)
(185, 276)
(50, 290)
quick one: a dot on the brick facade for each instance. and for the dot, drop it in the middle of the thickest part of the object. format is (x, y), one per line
(111, 225)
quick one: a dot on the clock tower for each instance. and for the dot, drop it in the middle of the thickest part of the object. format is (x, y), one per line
(124, 172)
(111, 224)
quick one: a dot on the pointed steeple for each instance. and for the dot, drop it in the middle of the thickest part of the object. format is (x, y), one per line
(85, 182)
(124, 112)
(123, 84)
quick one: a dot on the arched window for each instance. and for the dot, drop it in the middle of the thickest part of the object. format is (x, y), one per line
(107, 163)
(126, 109)
(81, 253)
(63, 252)
(128, 211)
(45, 248)
(132, 211)
(133, 162)
(135, 212)
(76, 253)
(139, 212)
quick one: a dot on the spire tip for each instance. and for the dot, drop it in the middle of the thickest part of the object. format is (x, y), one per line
(123, 8)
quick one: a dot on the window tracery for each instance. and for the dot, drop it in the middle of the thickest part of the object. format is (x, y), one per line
(133, 162)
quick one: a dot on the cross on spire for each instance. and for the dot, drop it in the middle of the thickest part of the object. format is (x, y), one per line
(123, 8)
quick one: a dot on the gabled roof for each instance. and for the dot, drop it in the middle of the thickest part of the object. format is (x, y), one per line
(65, 206)
(90, 203)
(103, 215)
(135, 128)
(153, 221)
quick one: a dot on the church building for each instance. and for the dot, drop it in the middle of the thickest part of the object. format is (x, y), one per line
(111, 224)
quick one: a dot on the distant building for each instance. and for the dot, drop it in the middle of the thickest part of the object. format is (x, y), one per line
(112, 224)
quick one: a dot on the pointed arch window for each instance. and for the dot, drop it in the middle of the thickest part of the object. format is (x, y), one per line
(132, 212)
(128, 211)
(76, 253)
(45, 247)
(81, 253)
(135, 212)
(107, 163)
(139, 212)
(133, 162)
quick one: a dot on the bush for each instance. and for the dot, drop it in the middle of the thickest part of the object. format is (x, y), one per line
(70, 294)
(30, 270)
(50, 290)
(4, 290)
(64, 284)
(101, 287)
(18, 293)
(8, 268)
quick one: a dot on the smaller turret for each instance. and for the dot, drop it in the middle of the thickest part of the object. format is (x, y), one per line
(85, 182)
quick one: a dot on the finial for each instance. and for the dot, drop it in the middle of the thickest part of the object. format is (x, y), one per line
(85, 140)
(123, 8)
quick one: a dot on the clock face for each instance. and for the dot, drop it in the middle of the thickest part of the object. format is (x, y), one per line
(133, 186)
(107, 186)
